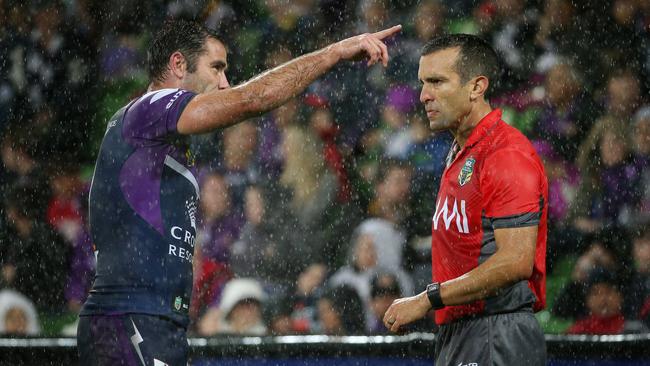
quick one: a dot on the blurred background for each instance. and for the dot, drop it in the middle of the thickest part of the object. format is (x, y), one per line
(317, 215)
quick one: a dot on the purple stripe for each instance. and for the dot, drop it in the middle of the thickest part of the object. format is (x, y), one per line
(124, 340)
(110, 341)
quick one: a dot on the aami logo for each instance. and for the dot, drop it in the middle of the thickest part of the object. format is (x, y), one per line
(449, 215)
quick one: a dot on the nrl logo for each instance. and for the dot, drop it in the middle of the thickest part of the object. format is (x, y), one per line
(466, 172)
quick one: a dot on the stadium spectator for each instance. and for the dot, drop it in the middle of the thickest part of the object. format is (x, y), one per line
(563, 180)
(361, 269)
(277, 315)
(388, 210)
(219, 227)
(510, 27)
(34, 259)
(622, 101)
(304, 299)
(384, 289)
(269, 153)
(265, 249)
(396, 134)
(312, 190)
(567, 112)
(607, 190)
(220, 223)
(321, 120)
(64, 211)
(340, 312)
(239, 311)
(571, 301)
(238, 160)
(604, 305)
(18, 316)
(637, 293)
(641, 151)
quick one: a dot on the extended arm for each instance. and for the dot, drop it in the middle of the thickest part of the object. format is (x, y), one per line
(222, 108)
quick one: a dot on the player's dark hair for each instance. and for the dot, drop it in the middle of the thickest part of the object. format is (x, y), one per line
(185, 36)
(476, 56)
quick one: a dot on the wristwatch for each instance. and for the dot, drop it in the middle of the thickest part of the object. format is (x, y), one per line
(433, 293)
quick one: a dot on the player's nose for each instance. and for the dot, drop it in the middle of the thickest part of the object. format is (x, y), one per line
(223, 82)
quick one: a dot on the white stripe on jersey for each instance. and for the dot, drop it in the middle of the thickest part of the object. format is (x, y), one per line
(182, 170)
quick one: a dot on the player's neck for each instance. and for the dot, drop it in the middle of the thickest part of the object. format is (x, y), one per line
(469, 121)
(166, 84)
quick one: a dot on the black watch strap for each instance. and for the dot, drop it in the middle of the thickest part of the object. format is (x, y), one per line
(433, 293)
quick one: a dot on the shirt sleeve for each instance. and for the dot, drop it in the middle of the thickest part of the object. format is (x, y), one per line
(511, 184)
(175, 107)
(155, 117)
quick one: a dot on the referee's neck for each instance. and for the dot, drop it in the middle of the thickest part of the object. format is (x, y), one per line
(469, 122)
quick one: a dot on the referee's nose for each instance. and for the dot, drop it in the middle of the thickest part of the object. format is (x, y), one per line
(425, 95)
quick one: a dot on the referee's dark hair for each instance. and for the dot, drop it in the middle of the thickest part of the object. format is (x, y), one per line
(185, 36)
(476, 56)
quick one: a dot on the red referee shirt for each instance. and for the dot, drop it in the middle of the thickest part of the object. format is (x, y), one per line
(496, 181)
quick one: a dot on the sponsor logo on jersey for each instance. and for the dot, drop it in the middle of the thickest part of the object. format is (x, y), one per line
(190, 206)
(190, 156)
(171, 101)
(451, 215)
(177, 303)
(466, 172)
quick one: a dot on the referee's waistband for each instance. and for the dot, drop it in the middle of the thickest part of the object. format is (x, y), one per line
(526, 309)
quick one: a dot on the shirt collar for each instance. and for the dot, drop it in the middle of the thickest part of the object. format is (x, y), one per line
(483, 127)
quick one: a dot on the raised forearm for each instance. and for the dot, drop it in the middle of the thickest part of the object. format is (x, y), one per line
(263, 93)
(274, 87)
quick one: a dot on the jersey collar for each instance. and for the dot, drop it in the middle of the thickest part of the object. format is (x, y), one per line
(483, 127)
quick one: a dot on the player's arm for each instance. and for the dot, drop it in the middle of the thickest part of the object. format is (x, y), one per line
(222, 108)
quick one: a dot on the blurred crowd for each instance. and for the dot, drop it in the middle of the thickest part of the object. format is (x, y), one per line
(316, 216)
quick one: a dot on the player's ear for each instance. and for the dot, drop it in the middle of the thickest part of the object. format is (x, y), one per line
(478, 87)
(177, 65)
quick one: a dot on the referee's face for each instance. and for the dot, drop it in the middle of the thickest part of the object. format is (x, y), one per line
(445, 97)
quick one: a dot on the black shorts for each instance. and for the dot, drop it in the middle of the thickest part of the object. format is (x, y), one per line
(131, 340)
(493, 340)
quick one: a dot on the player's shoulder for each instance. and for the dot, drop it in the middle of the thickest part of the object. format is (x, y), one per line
(161, 99)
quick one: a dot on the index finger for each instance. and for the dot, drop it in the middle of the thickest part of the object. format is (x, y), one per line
(388, 32)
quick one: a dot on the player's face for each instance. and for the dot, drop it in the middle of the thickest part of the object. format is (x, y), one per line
(445, 97)
(210, 70)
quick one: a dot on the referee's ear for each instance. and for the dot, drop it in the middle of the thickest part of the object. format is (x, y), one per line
(479, 86)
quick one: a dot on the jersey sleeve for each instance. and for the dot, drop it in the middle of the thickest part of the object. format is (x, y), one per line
(155, 116)
(174, 108)
(511, 185)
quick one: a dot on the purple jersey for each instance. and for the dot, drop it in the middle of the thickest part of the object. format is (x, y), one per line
(143, 202)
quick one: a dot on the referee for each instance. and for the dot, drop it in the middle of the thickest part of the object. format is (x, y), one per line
(489, 228)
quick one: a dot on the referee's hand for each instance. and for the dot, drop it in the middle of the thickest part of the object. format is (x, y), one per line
(406, 310)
